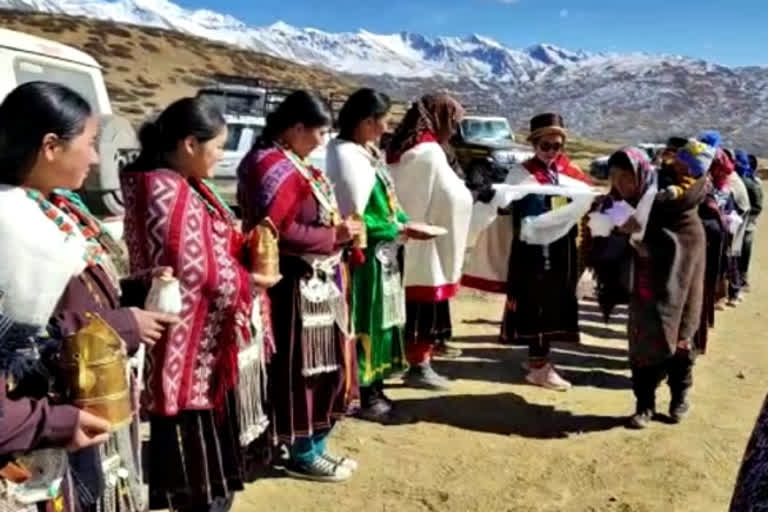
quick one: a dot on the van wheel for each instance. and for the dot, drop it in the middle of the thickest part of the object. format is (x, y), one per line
(118, 146)
(478, 175)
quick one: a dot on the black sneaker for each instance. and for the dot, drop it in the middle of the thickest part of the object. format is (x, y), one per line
(641, 419)
(423, 376)
(679, 408)
(378, 411)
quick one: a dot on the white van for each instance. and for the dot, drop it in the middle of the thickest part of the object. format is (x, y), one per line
(25, 58)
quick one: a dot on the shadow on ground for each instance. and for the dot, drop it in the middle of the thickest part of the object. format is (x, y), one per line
(505, 414)
(586, 365)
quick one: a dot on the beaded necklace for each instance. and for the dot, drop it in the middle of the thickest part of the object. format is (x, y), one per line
(321, 187)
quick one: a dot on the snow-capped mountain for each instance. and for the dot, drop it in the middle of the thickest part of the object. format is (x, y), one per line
(617, 96)
(404, 54)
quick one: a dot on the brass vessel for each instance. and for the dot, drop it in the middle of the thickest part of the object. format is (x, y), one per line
(95, 370)
(264, 250)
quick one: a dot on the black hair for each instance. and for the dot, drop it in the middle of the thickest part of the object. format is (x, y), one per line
(621, 160)
(360, 106)
(29, 113)
(299, 107)
(752, 162)
(187, 117)
(676, 142)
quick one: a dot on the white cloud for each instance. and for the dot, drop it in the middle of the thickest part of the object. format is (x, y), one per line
(508, 2)
(564, 13)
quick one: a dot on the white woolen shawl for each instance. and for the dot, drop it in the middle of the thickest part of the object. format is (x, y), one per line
(430, 191)
(37, 259)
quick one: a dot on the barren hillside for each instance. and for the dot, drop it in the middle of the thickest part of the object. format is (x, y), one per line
(147, 68)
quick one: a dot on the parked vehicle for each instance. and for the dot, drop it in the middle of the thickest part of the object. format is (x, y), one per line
(598, 169)
(485, 147)
(25, 58)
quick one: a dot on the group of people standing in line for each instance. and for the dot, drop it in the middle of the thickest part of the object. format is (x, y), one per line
(371, 252)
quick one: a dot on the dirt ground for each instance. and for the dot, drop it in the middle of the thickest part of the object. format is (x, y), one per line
(494, 444)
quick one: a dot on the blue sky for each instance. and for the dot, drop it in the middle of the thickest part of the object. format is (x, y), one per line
(731, 32)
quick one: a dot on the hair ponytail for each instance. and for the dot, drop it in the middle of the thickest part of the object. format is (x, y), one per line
(299, 107)
(29, 113)
(187, 117)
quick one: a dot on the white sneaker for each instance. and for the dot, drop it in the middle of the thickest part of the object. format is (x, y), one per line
(547, 377)
(342, 461)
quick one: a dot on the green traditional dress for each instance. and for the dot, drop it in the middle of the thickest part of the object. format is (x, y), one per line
(364, 187)
(374, 304)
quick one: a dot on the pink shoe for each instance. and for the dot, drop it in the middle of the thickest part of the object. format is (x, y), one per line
(547, 377)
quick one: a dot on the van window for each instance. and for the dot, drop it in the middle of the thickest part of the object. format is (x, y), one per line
(27, 70)
(235, 134)
(485, 129)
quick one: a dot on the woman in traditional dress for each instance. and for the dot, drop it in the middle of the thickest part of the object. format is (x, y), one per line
(668, 276)
(541, 279)
(364, 188)
(430, 191)
(31, 423)
(722, 172)
(62, 263)
(310, 371)
(202, 390)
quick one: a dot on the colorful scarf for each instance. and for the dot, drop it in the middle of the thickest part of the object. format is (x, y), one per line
(179, 223)
(435, 114)
(743, 168)
(720, 170)
(550, 175)
(282, 181)
(645, 175)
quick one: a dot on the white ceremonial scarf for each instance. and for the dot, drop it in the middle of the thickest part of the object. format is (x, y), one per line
(488, 261)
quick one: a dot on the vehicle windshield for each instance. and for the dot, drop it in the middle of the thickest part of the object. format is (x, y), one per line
(485, 129)
(234, 103)
(29, 70)
(235, 134)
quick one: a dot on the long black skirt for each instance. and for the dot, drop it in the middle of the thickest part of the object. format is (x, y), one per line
(195, 459)
(428, 321)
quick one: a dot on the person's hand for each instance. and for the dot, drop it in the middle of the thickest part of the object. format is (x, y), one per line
(262, 282)
(90, 431)
(162, 272)
(641, 249)
(347, 230)
(631, 226)
(152, 325)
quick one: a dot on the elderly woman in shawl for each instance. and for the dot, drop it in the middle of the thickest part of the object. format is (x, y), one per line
(668, 275)
(430, 191)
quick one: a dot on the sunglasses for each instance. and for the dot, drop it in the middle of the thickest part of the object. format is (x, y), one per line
(550, 146)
